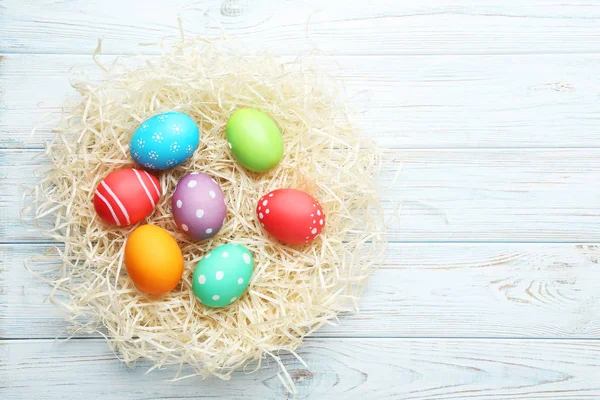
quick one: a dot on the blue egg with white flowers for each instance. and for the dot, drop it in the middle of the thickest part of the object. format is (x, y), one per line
(164, 141)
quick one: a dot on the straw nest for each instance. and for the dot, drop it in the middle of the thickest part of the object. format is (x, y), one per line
(294, 290)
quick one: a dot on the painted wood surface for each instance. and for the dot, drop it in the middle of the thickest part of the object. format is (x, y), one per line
(518, 195)
(440, 369)
(486, 101)
(488, 115)
(337, 27)
(423, 290)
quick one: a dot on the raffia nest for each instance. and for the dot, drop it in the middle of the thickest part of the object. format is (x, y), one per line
(294, 290)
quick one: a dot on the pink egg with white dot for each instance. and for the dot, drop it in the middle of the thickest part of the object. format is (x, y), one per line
(199, 206)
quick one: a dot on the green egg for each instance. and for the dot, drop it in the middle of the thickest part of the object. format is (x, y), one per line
(222, 276)
(255, 140)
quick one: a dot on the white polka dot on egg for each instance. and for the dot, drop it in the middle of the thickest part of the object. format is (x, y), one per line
(192, 183)
(202, 279)
(321, 221)
(240, 281)
(219, 275)
(233, 299)
(179, 203)
(246, 258)
(225, 254)
(216, 297)
(265, 202)
(261, 216)
(208, 231)
(267, 211)
(318, 212)
(314, 230)
(212, 194)
(199, 213)
(270, 194)
(185, 227)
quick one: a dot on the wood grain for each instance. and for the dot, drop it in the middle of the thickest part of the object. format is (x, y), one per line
(377, 27)
(433, 195)
(370, 369)
(402, 102)
(424, 290)
(487, 111)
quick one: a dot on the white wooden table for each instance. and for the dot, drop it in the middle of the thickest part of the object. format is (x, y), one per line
(491, 288)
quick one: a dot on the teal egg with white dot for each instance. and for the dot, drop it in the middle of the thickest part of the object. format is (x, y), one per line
(164, 141)
(223, 275)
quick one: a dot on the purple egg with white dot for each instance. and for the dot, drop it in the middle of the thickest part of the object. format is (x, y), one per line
(199, 206)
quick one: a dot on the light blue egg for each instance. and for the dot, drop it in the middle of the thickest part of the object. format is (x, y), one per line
(164, 141)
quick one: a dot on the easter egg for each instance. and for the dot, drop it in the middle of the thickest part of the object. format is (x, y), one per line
(153, 260)
(222, 276)
(255, 140)
(126, 196)
(164, 141)
(291, 216)
(198, 206)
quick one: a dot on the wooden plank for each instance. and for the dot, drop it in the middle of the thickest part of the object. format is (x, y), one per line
(512, 195)
(424, 290)
(402, 102)
(338, 369)
(339, 27)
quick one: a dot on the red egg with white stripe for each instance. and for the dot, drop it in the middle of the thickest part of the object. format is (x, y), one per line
(291, 216)
(126, 196)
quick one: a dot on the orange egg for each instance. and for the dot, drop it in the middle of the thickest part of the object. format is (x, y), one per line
(153, 260)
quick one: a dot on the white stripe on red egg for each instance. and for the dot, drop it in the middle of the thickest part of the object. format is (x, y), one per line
(153, 184)
(116, 199)
(145, 189)
(112, 212)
